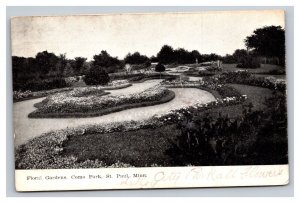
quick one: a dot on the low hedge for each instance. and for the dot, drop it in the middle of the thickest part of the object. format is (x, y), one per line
(246, 78)
(40, 84)
(140, 77)
(200, 73)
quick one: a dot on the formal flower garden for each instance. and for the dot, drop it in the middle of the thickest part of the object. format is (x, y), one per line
(50, 150)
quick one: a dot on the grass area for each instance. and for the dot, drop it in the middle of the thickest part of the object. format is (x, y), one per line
(283, 77)
(140, 148)
(255, 95)
(264, 68)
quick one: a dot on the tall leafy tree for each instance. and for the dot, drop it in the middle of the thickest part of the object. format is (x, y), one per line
(183, 56)
(239, 55)
(268, 41)
(62, 63)
(46, 61)
(135, 58)
(166, 55)
(105, 60)
(78, 64)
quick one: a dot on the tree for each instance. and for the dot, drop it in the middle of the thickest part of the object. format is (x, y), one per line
(68, 70)
(210, 57)
(239, 55)
(78, 65)
(166, 55)
(153, 59)
(96, 76)
(62, 63)
(196, 55)
(228, 59)
(248, 62)
(136, 58)
(183, 56)
(46, 61)
(107, 62)
(268, 41)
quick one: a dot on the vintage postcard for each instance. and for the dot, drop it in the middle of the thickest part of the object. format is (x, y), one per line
(150, 100)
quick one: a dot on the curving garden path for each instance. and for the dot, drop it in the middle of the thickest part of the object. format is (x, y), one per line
(28, 128)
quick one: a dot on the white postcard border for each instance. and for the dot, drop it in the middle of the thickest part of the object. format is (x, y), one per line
(154, 177)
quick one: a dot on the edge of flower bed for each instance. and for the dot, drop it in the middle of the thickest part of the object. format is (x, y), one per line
(39, 104)
(117, 87)
(44, 93)
(170, 95)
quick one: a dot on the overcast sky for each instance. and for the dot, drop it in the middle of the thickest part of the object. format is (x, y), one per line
(208, 32)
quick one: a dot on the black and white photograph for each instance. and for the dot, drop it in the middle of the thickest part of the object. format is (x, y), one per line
(149, 91)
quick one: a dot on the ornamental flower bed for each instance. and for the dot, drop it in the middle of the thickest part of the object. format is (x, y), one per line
(24, 95)
(117, 82)
(207, 83)
(93, 103)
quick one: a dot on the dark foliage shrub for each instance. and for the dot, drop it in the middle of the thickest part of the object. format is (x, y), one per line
(199, 73)
(249, 62)
(39, 84)
(147, 64)
(96, 76)
(160, 67)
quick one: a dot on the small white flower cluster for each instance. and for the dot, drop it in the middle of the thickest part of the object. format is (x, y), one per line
(117, 82)
(70, 80)
(20, 95)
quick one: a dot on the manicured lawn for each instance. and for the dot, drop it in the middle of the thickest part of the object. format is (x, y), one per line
(142, 148)
(262, 69)
(255, 95)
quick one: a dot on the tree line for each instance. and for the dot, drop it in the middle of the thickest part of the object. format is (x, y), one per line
(267, 41)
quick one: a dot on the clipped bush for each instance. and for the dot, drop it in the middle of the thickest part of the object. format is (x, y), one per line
(96, 76)
(160, 68)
